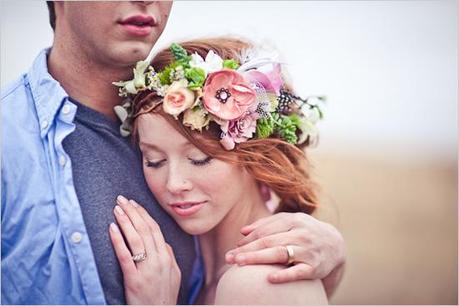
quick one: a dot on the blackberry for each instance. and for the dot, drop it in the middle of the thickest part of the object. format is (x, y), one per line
(285, 100)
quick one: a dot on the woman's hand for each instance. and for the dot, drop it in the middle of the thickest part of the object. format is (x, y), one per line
(318, 248)
(154, 279)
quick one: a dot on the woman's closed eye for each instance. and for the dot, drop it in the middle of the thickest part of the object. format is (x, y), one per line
(154, 163)
(200, 162)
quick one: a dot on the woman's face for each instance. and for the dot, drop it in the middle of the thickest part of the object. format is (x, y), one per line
(195, 189)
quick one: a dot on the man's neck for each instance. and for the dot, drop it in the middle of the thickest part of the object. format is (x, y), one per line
(86, 81)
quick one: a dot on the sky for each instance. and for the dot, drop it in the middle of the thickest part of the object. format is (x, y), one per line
(388, 68)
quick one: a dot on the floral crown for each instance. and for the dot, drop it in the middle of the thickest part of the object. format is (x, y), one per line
(246, 98)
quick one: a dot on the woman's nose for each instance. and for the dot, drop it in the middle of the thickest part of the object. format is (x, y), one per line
(177, 183)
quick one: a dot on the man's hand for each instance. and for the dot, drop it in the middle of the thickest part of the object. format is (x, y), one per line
(319, 251)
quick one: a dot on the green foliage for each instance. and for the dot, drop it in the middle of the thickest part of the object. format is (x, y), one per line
(265, 127)
(286, 127)
(230, 64)
(196, 77)
(179, 53)
(165, 75)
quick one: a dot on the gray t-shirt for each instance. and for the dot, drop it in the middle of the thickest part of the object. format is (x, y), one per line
(104, 166)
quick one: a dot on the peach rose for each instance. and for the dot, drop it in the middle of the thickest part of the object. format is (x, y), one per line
(227, 95)
(178, 98)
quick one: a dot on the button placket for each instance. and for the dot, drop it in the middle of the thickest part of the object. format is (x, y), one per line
(76, 237)
(66, 109)
(44, 124)
(62, 160)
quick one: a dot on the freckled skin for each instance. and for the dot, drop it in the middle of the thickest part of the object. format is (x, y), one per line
(222, 185)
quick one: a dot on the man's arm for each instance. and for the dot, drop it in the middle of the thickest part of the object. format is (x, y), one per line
(318, 246)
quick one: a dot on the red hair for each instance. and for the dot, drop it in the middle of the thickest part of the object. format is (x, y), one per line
(281, 166)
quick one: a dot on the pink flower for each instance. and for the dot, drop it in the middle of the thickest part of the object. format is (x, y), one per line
(227, 95)
(271, 81)
(178, 98)
(237, 131)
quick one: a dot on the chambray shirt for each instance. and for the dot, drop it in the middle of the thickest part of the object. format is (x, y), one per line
(46, 255)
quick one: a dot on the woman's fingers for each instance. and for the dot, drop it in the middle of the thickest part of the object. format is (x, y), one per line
(273, 255)
(250, 227)
(297, 272)
(274, 225)
(270, 241)
(154, 228)
(174, 260)
(121, 250)
(142, 234)
(135, 230)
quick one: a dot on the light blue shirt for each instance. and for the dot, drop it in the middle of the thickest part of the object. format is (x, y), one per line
(46, 253)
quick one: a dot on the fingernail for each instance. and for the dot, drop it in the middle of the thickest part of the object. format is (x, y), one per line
(240, 259)
(114, 227)
(229, 257)
(121, 199)
(119, 210)
(133, 203)
(273, 277)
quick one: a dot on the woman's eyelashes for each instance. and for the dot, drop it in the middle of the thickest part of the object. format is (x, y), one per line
(154, 164)
(201, 162)
(195, 162)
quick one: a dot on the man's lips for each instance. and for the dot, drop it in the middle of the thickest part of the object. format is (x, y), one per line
(138, 25)
(139, 20)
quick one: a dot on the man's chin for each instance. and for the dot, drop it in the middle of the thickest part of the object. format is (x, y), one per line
(130, 54)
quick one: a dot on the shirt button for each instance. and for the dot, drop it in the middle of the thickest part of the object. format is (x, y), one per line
(76, 237)
(66, 109)
(62, 160)
(44, 124)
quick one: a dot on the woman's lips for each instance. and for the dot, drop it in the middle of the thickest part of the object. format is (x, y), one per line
(138, 25)
(185, 209)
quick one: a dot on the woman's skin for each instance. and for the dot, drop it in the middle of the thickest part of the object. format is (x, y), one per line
(208, 198)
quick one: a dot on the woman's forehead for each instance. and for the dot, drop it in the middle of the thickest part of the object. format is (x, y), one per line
(156, 130)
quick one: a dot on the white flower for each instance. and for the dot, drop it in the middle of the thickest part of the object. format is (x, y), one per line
(138, 82)
(196, 118)
(307, 129)
(257, 58)
(312, 114)
(212, 63)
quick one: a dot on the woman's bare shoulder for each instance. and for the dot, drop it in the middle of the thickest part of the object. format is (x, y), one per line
(250, 285)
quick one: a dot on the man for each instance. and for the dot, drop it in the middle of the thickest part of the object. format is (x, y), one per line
(64, 162)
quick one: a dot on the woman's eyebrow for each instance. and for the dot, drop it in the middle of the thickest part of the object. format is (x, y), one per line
(185, 145)
(150, 146)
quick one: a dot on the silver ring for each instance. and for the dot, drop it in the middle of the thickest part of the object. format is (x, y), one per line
(139, 257)
(290, 255)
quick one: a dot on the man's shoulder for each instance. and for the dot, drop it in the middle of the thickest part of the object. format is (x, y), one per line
(17, 104)
(13, 88)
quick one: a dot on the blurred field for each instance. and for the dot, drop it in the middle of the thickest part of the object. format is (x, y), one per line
(399, 220)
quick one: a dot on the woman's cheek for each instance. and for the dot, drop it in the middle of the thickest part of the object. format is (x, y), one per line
(154, 182)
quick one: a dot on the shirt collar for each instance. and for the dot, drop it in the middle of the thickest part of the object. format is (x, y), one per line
(47, 93)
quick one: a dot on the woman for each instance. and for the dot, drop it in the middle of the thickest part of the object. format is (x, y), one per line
(213, 133)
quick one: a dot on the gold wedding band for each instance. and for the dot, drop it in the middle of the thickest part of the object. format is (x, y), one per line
(290, 255)
(139, 257)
